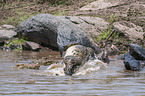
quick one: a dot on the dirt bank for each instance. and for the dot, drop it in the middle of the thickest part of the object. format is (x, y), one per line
(130, 12)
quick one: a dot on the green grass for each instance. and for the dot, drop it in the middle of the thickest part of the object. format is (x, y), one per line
(61, 13)
(15, 41)
(16, 11)
(106, 32)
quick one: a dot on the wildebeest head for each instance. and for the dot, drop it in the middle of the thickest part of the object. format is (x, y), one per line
(72, 64)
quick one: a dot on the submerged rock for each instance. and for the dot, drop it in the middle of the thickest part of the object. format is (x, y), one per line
(132, 64)
(135, 59)
(137, 52)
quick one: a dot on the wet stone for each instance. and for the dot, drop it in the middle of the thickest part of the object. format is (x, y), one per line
(137, 52)
(132, 64)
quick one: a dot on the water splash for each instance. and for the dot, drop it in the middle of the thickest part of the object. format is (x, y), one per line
(90, 66)
(56, 69)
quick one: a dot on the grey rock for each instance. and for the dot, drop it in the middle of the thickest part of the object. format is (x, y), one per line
(137, 51)
(101, 4)
(130, 30)
(91, 25)
(132, 64)
(53, 32)
(120, 57)
(7, 34)
(129, 10)
(27, 45)
(7, 27)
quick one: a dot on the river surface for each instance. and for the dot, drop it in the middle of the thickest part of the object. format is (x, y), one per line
(97, 80)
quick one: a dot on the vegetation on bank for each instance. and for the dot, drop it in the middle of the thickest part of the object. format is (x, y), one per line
(104, 34)
(17, 43)
(116, 37)
(15, 11)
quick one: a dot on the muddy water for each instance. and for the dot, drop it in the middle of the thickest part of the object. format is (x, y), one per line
(101, 79)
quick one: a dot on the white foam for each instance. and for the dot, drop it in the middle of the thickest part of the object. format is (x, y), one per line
(90, 66)
(56, 69)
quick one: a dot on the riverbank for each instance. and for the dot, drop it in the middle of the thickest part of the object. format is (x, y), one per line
(126, 17)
